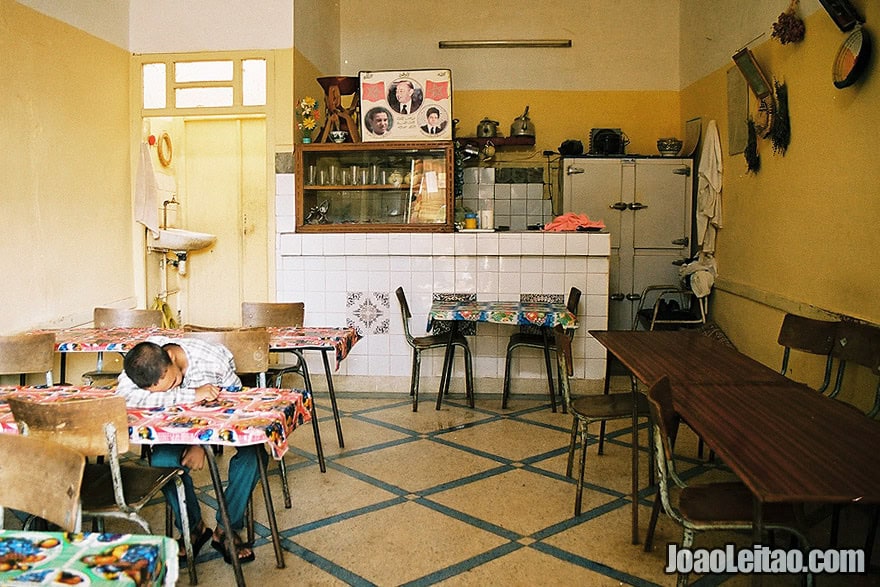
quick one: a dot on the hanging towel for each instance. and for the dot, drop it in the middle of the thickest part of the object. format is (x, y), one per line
(709, 190)
(146, 198)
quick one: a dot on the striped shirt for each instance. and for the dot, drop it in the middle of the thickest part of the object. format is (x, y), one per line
(207, 363)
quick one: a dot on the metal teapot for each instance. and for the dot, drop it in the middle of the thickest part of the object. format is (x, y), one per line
(522, 126)
(487, 128)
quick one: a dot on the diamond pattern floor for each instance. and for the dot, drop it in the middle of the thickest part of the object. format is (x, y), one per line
(463, 496)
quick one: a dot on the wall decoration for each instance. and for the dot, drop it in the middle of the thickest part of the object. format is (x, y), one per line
(780, 128)
(737, 112)
(753, 160)
(849, 64)
(754, 76)
(406, 105)
(789, 28)
(842, 13)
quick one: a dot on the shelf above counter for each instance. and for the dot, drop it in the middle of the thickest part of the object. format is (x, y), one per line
(499, 141)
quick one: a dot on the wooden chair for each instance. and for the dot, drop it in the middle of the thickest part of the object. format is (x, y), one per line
(117, 318)
(41, 478)
(811, 336)
(98, 427)
(250, 351)
(23, 354)
(527, 338)
(704, 507)
(587, 409)
(434, 341)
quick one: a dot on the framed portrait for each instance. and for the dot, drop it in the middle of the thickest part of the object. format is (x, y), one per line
(406, 105)
(750, 70)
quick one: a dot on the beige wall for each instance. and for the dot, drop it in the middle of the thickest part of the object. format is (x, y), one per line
(66, 244)
(801, 234)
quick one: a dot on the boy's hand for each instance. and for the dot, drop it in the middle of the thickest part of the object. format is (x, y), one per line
(194, 458)
(207, 392)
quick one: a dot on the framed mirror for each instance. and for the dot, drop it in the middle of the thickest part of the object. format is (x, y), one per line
(750, 70)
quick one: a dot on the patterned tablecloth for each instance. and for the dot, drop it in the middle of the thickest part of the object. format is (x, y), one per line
(249, 416)
(57, 558)
(93, 340)
(517, 313)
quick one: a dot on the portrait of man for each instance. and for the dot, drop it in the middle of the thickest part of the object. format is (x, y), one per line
(405, 97)
(434, 125)
(378, 121)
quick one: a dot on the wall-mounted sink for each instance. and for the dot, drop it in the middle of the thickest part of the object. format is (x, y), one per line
(180, 240)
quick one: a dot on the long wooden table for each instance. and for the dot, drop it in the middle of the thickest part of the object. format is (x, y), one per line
(787, 443)
(685, 357)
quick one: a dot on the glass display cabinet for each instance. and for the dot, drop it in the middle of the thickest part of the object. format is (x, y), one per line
(375, 187)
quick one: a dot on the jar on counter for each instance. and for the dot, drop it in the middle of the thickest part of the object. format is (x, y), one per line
(470, 220)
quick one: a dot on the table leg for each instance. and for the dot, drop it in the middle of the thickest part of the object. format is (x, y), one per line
(332, 398)
(635, 460)
(270, 513)
(224, 516)
(319, 448)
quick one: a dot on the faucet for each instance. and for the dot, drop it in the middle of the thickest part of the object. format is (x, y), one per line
(165, 205)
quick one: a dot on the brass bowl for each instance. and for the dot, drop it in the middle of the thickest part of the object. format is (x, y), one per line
(669, 147)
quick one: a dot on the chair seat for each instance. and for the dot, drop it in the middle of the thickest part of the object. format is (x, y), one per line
(729, 503)
(607, 406)
(438, 340)
(140, 484)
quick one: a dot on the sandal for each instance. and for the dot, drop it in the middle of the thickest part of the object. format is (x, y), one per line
(197, 544)
(220, 546)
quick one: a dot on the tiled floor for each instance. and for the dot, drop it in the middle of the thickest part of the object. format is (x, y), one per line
(461, 496)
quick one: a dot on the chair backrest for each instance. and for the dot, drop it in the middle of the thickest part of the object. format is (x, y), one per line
(127, 318)
(574, 299)
(808, 335)
(405, 314)
(41, 478)
(92, 426)
(28, 353)
(249, 346)
(272, 313)
(665, 423)
(858, 343)
(565, 361)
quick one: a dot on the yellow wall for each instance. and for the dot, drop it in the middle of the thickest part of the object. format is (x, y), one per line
(801, 234)
(66, 244)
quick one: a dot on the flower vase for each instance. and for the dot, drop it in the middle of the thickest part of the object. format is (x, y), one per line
(307, 139)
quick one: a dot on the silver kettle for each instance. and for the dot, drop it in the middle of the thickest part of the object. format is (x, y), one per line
(522, 126)
(487, 128)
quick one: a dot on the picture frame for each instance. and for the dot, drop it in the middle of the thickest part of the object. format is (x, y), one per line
(425, 116)
(842, 13)
(751, 71)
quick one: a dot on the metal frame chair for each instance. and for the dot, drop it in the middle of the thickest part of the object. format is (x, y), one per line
(23, 354)
(545, 342)
(587, 409)
(703, 507)
(808, 335)
(41, 478)
(118, 318)
(433, 341)
(652, 317)
(109, 489)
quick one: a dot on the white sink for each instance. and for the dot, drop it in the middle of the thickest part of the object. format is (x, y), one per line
(180, 240)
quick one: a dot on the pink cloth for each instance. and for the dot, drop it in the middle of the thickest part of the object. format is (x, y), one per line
(571, 221)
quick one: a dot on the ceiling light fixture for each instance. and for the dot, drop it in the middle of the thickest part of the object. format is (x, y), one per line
(506, 44)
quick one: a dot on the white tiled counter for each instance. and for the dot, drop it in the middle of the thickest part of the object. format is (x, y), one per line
(349, 279)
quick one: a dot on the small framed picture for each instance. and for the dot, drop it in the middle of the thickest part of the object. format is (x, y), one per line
(842, 13)
(406, 105)
(750, 69)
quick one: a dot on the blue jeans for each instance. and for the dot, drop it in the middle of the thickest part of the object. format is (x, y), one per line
(244, 473)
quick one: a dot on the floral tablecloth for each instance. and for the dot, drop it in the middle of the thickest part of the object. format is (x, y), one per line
(249, 416)
(517, 313)
(58, 558)
(93, 340)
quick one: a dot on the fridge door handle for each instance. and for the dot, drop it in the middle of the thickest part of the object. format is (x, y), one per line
(616, 297)
(637, 206)
(618, 206)
(682, 171)
(683, 241)
(633, 297)
(572, 170)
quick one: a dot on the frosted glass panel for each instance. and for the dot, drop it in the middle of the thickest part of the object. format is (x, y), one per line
(203, 71)
(253, 82)
(154, 85)
(203, 97)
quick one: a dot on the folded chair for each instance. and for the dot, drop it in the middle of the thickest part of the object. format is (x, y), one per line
(433, 341)
(527, 339)
(41, 478)
(703, 507)
(586, 409)
(98, 427)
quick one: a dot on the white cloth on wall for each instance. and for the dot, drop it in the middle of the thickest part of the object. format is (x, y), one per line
(709, 190)
(146, 193)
